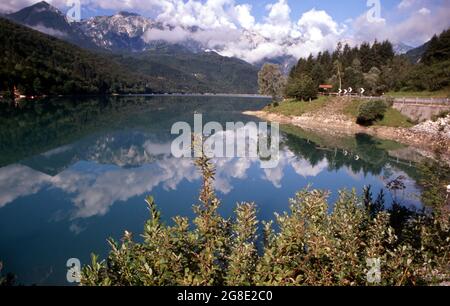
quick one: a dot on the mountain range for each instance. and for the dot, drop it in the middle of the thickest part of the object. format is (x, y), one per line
(167, 67)
(123, 32)
(127, 32)
(180, 66)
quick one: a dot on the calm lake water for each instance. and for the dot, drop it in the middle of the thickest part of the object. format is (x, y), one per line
(74, 172)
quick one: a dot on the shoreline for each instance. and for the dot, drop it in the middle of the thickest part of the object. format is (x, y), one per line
(141, 95)
(425, 142)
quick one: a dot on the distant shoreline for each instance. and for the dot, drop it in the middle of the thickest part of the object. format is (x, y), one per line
(144, 95)
(197, 95)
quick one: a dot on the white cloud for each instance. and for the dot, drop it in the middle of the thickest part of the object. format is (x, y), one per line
(405, 4)
(279, 13)
(232, 30)
(424, 11)
(304, 168)
(18, 181)
(49, 31)
(244, 16)
(417, 28)
(174, 35)
(13, 5)
(10, 6)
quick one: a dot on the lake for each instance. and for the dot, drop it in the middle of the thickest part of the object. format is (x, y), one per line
(76, 171)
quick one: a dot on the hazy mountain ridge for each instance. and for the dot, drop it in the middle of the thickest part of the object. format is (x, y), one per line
(126, 32)
(415, 55)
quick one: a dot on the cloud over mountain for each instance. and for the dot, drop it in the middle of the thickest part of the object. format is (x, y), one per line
(233, 29)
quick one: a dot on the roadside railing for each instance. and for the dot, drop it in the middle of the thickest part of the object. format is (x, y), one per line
(404, 100)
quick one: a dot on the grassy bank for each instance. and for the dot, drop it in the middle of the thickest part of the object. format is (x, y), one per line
(392, 117)
(335, 106)
(291, 107)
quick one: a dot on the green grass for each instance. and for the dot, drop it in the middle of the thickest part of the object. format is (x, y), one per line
(351, 110)
(392, 117)
(297, 108)
(443, 93)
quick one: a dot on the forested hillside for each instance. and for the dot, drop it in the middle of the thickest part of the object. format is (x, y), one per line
(376, 68)
(194, 72)
(39, 64)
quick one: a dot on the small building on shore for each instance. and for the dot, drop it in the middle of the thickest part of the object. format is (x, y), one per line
(325, 88)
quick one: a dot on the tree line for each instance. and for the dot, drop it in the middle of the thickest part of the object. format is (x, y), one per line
(374, 67)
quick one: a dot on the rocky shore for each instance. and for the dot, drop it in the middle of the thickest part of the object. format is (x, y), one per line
(426, 137)
(440, 126)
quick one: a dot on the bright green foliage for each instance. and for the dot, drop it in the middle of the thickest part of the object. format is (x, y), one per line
(311, 246)
(391, 118)
(435, 178)
(244, 256)
(302, 88)
(371, 111)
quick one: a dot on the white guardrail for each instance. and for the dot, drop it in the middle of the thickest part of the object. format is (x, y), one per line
(432, 101)
(444, 101)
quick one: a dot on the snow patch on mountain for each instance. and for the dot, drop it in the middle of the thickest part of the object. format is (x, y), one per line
(401, 48)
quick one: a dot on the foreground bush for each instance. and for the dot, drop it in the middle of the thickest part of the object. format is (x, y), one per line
(311, 246)
(371, 111)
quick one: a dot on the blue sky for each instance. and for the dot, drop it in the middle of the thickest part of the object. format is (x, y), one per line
(339, 10)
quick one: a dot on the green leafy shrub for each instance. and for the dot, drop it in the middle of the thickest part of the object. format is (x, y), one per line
(312, 245)
(371, 111)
